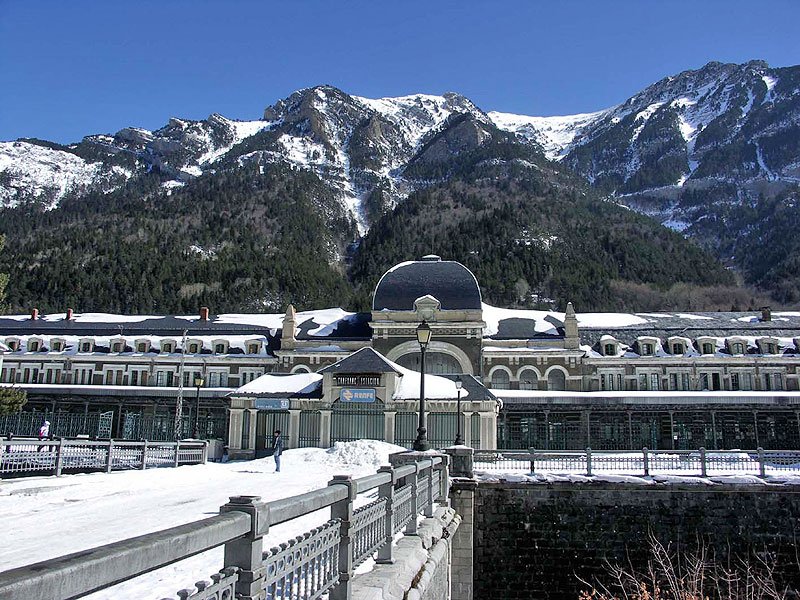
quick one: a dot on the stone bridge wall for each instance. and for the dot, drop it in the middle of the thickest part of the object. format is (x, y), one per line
(421, 567)
(534, 540)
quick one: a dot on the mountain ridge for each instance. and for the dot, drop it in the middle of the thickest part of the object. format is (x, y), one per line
(680, 151)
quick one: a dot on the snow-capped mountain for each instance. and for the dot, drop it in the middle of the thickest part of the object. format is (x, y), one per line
(357, 145)
(727, 131)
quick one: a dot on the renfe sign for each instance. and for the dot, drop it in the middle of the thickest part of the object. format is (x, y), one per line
(354, 395)
(272, 403)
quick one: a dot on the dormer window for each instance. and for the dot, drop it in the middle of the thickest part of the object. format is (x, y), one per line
(647, 349)
(737, 348)
(608, 345)
(708, 348)
(220, 347)
(142, 346)
(57, 345)
(118, 346)
(769, 346)
(194, 348)
(12, 344)
(86, 345)
(168, 347)
(34, 345)
(253, 347)
(677, 348)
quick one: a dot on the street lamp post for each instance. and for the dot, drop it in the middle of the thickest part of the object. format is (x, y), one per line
(198, 383)
(423, 337)
(459, 439)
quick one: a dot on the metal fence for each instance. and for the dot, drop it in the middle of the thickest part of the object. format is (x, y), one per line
(697, 463)
(20, 457)
(320, 561)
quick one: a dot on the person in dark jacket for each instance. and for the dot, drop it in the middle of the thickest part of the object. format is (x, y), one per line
(277, 449)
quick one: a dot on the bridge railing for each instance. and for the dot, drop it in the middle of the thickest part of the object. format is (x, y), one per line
(699, 463)
(32, 456)
(320, 560)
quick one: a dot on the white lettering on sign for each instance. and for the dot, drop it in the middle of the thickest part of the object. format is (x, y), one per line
(356, 395)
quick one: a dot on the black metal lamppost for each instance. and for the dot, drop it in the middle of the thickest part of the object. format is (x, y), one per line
(459, 440)
(198, 383)
(423, 337)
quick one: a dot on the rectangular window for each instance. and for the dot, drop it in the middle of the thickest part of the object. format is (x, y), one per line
(684, 381)
(655, 381)
(777, 381)
(735, 385)
(245, 430)
(746, 381)
(702, 382)
(643, 382)
(134, 378)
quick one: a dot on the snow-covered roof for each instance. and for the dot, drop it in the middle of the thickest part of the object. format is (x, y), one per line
(299, 384)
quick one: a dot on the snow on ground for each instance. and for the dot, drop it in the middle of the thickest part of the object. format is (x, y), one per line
(46, 517)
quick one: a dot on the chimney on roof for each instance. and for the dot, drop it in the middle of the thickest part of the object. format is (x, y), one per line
(69, 314)
(204, 313)
(571, 338)
(289, 325)
(34, 314)
(766, 313)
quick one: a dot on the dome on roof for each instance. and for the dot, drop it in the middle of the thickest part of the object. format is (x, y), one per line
(448, 281)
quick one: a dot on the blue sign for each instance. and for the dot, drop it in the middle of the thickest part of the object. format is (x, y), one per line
(272, 403)
(354, 395)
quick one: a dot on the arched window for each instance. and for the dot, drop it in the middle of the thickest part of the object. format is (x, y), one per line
(436, 363)
(556, 380)
(528, 380)
(500, 379)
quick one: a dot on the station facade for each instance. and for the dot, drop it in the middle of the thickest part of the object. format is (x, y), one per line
(556, 380)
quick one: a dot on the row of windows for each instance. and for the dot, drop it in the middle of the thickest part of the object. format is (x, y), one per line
(529, 380)
(141, 346)
(706, 381)
(704, 346)
(137, 377)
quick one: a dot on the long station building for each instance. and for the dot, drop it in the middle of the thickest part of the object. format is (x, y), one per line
(526, 378)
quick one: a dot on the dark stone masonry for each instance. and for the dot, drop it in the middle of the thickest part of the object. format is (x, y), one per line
(537, 540)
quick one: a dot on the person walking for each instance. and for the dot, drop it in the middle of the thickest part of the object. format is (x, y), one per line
(277, 449)
(44, 433)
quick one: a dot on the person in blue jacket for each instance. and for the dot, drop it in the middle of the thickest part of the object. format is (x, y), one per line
(277, 449)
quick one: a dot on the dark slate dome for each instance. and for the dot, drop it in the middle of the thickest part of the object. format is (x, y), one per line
(448, 281)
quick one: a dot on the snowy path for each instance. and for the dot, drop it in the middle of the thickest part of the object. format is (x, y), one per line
(46, 517)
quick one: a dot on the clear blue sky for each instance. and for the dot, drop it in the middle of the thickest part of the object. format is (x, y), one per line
(74, 67)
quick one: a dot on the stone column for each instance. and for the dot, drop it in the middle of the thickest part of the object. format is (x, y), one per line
(388, 426)
(488, 439)
(294, 428)
(235, 429)
(325, 428)
(462, 500)
(253, 430)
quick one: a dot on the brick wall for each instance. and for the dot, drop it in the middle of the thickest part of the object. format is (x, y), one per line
(535, 540)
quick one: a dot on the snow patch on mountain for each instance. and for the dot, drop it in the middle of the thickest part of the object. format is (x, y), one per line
(554, 134)
(29, 171)
(419, 114)
(642, 117)
(241, 131)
